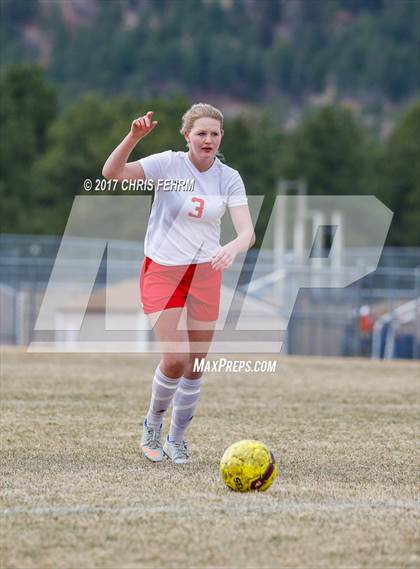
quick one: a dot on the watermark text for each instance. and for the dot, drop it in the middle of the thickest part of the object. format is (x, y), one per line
(234, 366)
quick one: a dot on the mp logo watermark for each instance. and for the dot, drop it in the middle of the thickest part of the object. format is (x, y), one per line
(308, 242)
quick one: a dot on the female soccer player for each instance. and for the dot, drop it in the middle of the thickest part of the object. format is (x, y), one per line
(181, 274)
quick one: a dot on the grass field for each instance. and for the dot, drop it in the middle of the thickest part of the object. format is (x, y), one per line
(77, 493)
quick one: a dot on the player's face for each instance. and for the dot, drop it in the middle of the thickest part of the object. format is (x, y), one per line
(205, 138)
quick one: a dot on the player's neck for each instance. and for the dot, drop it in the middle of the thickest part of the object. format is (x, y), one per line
(201, 165)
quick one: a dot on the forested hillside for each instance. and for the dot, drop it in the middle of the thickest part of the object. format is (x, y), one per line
(242, 50)
(46, 153)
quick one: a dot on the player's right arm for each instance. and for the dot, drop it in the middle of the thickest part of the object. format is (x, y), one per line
(116, 166)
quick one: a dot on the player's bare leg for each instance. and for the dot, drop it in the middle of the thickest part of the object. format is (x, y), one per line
(169, 328)
(200, 336)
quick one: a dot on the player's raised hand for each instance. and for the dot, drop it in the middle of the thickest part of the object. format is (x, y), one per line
(143, 125)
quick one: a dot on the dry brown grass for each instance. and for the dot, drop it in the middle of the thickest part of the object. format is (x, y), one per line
(77, 493)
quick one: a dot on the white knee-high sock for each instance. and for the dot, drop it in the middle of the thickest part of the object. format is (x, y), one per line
(163, 390)
(184, 405)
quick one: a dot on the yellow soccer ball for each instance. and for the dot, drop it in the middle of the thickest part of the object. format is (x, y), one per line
(248, 465)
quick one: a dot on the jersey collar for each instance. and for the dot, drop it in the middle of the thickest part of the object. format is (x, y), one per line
(212, 168)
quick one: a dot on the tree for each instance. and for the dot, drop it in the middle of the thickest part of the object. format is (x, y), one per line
(254, 148)
(400, 177)
(28, 105)
(329, 150)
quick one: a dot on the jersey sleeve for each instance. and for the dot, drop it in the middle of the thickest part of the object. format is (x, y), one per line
(156, 166)
(236, 191)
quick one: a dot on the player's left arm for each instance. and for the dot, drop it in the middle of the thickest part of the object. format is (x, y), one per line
(242, 222)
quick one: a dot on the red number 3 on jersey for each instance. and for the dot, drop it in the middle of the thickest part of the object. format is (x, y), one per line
(198, 211)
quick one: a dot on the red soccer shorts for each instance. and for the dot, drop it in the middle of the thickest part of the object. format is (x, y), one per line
(197, 286)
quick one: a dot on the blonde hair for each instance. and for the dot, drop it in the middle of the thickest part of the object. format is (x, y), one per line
(199, 111)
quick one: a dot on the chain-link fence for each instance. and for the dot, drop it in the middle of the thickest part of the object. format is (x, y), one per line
(353, 321)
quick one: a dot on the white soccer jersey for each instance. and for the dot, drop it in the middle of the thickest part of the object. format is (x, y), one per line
(184, 224)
